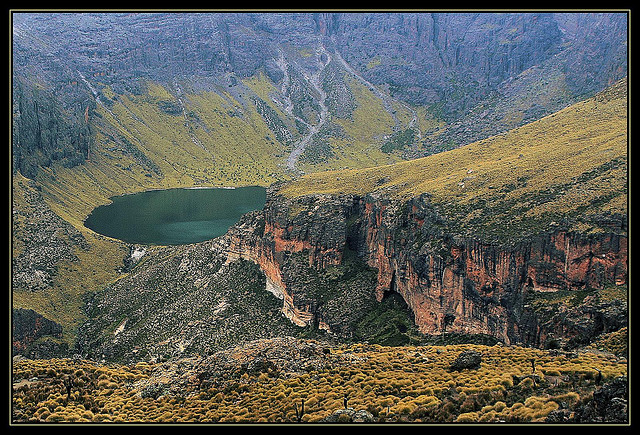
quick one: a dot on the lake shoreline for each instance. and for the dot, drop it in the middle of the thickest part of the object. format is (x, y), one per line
(174, 216)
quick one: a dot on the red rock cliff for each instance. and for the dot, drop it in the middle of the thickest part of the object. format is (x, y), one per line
(450, 284)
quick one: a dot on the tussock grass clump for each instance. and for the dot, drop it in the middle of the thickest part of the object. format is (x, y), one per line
(371, 378)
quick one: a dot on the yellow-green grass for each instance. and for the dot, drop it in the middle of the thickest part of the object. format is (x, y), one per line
(232, 148)
(409, 384)
(514, 167)
(364, 131)
(234, 152)
(64, 302)
(93, 268)
(265, 90)
(374, 62)
(616, 342)
(426, 120)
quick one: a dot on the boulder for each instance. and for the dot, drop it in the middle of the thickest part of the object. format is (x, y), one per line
(609, 404)
(469, 359)
(350, 415)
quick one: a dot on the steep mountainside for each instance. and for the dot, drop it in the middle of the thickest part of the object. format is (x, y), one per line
(466, 236)
(467, 69)
(382, 255)
(467, 252)
(112, 103)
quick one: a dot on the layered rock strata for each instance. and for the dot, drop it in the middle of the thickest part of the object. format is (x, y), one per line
(451, 284)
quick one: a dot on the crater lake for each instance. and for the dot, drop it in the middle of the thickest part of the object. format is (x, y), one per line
(174, 216)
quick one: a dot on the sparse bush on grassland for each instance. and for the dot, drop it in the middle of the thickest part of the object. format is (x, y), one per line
(377, 381)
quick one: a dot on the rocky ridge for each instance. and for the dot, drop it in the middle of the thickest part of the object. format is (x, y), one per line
(481, 73)
(450, 284)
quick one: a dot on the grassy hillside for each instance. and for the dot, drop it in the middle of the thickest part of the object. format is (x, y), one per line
(568, 165)
(75, 260)
(164, 138)
(140, 144)
(362, 134)
(190, 133)
(394, 384)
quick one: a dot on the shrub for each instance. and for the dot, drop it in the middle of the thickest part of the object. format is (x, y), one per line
(489, 416)
(571, 397)
(55, 417)
(344, 418)
(467, 417)
(499, 406)
(404, 408)
(42, 413)
(526, 384)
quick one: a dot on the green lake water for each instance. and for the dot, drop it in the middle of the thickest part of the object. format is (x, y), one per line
(175, 216)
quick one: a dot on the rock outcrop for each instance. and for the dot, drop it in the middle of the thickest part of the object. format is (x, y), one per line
(469, 359)
(34, 336)
(450, 283)
(350, 415)
(281, 357)
(609, 404)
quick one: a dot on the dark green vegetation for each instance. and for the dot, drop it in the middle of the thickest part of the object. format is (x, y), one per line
(345, 296)
(608, 307)
(399, 141)
(186, 302)
(389, 323)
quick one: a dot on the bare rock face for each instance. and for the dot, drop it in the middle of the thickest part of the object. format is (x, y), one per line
(331, 264)
(478, 69)
(450, 283)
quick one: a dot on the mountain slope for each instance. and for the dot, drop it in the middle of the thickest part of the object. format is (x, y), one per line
(571, 166)
(121, 106)
(471, 238)
(390, 255)
(456, 65)
(192, 132)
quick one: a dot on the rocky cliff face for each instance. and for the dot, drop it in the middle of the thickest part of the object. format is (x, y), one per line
(482, 73)
(34, 336)
(450, 284)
